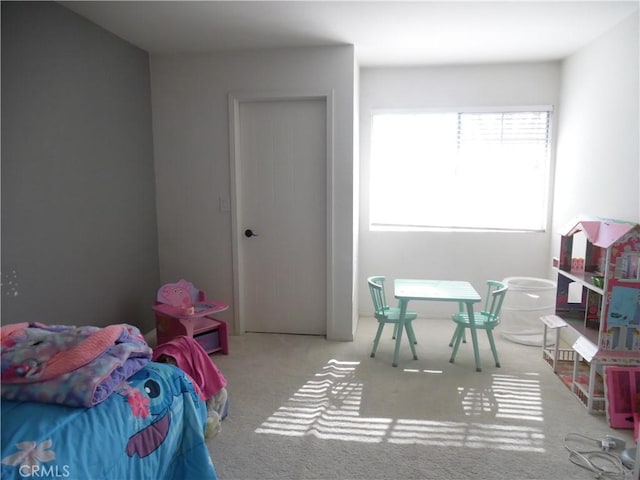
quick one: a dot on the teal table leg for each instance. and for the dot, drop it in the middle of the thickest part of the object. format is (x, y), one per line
(403, 311)
(474, 336)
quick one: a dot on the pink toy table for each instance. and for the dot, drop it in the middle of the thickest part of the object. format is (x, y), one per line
(201, 309)
(191, 318)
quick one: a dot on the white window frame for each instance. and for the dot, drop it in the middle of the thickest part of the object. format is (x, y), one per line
(405, 190)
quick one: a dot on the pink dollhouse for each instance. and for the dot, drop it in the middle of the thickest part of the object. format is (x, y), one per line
(598, 296)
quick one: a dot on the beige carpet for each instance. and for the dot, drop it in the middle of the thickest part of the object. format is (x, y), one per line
(306, 408)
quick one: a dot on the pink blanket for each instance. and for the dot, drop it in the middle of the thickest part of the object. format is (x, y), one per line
(69, 365)
(194, 361)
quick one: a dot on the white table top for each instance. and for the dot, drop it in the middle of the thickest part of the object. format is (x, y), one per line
(436, 290)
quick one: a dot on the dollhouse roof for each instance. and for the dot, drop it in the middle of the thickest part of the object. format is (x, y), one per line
(602, 232)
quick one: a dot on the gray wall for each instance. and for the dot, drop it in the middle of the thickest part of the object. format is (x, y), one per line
(192, 157)
(79, 234)
(598, 159)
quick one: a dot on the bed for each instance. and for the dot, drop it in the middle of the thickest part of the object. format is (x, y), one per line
(149, 426)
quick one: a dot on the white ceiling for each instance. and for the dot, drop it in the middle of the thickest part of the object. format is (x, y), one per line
(385, 33)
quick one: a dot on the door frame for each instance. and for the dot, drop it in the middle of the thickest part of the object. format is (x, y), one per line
(235, 101)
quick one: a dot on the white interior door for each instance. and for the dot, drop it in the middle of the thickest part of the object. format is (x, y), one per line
(281, 189)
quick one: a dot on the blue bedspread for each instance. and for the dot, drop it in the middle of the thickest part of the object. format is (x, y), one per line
(150, 428)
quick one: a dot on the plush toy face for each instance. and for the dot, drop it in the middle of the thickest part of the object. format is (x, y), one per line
(177, 294)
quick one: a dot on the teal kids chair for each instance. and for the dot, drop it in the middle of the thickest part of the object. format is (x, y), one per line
(485, 320)
(386, 314)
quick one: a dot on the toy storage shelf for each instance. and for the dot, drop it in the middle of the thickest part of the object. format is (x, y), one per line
(597, 320)
(209, 332)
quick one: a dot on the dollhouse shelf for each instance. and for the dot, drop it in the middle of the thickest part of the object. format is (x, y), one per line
(596, 326)
(585, 278)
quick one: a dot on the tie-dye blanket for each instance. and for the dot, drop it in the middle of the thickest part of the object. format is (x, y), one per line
(75, 366)
(151, 427)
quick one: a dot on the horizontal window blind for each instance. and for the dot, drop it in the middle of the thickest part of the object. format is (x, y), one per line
(478, 170)
(518, 128)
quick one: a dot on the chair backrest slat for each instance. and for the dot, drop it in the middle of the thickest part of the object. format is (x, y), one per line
(495, 297)
(376, 287)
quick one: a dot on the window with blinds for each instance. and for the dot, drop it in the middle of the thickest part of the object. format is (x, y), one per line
(472, 170)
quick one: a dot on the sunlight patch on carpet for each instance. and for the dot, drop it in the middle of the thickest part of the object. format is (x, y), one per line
(508, 396)
(415, 370)
(328, 407)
